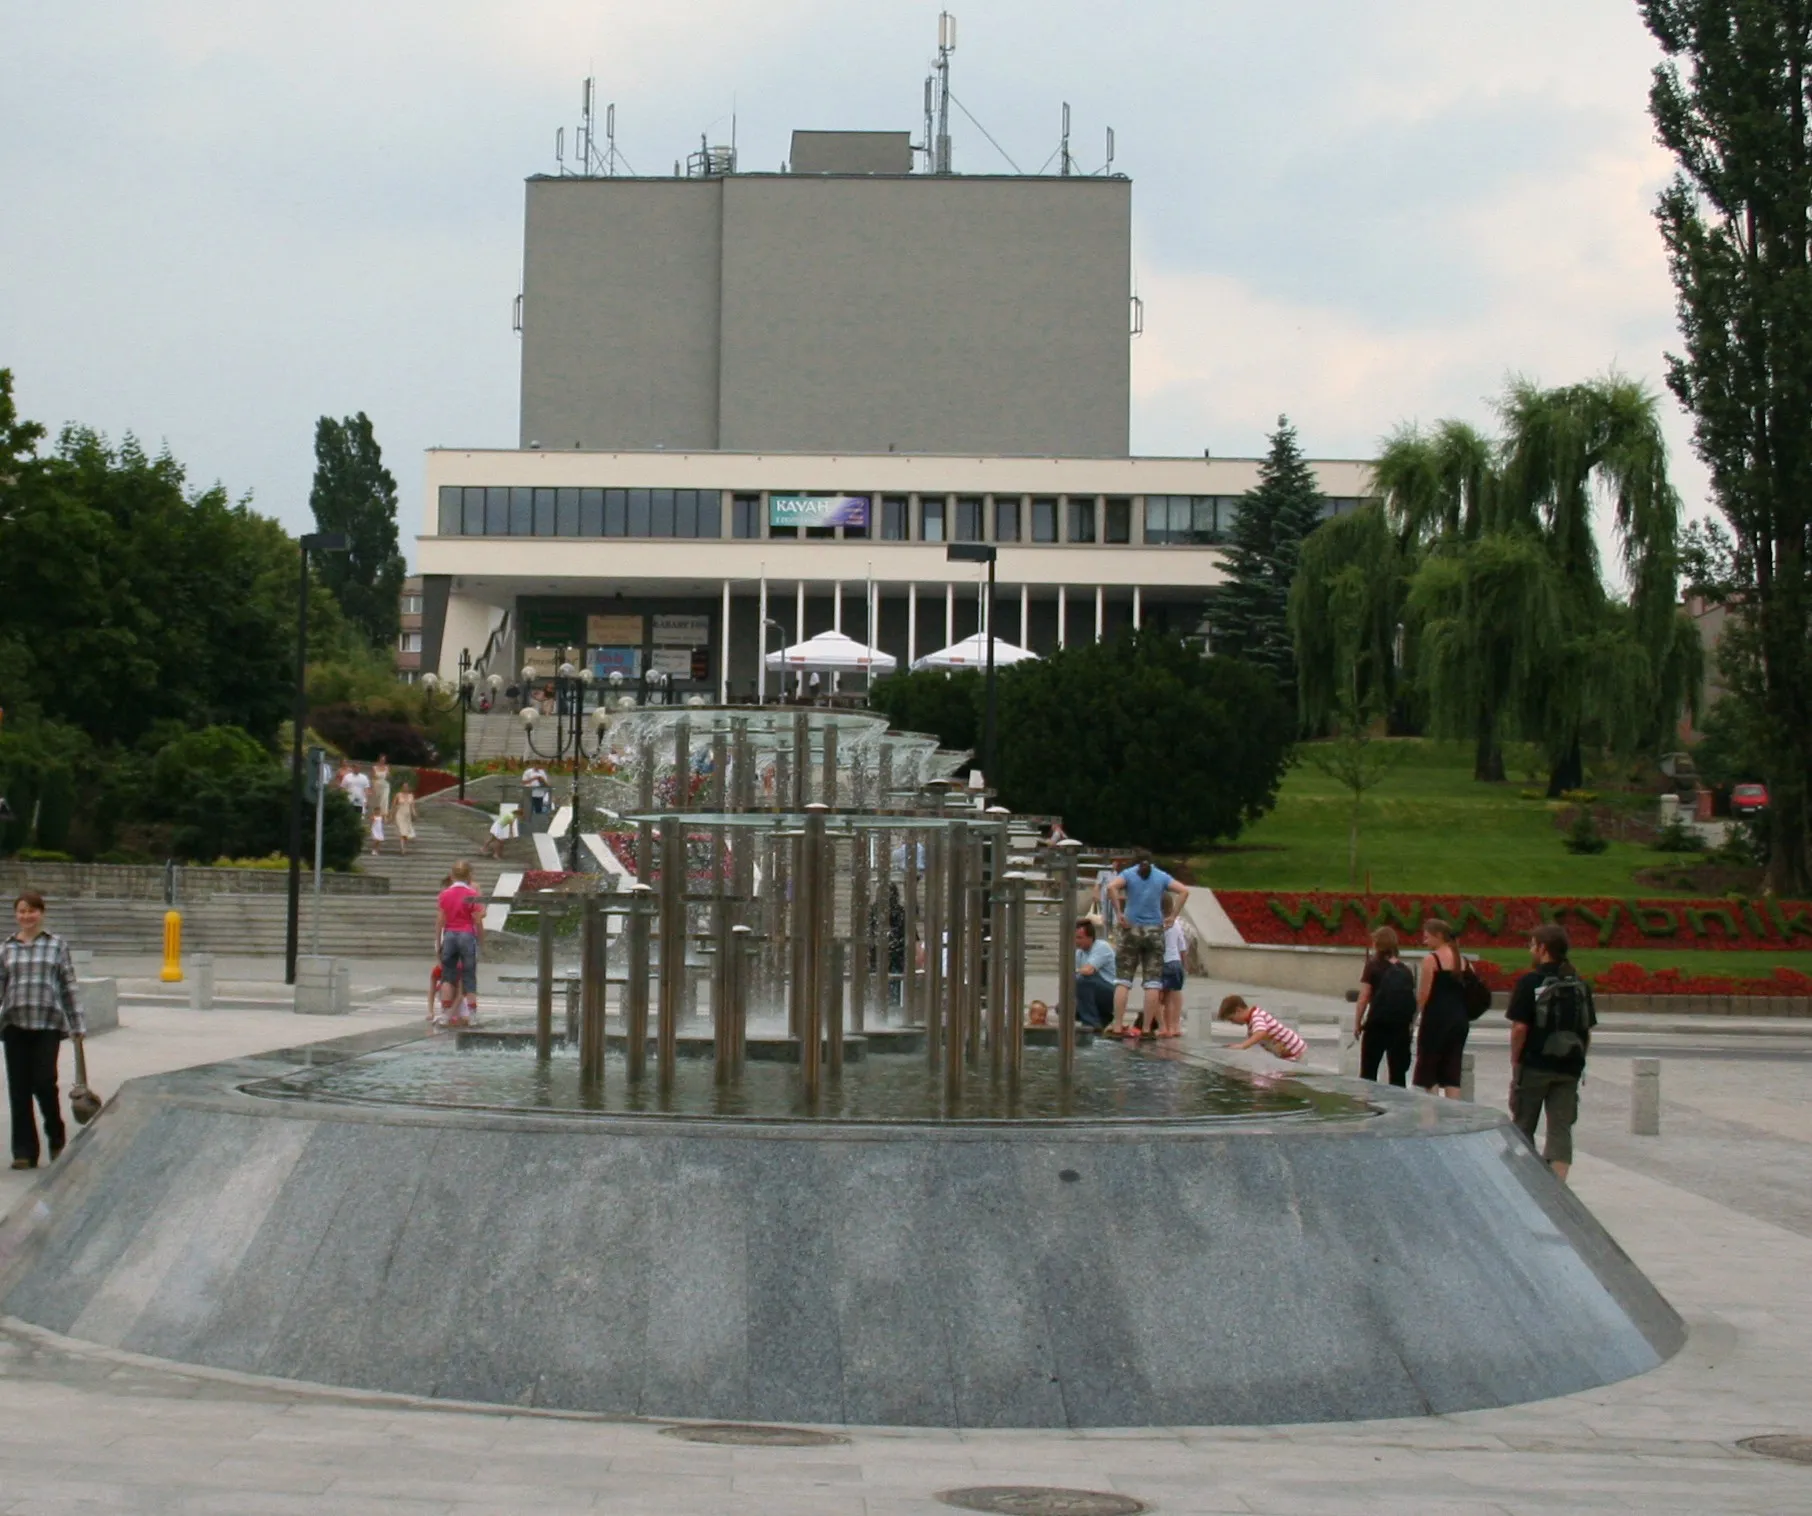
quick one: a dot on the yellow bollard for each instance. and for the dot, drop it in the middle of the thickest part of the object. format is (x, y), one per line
(172, 947)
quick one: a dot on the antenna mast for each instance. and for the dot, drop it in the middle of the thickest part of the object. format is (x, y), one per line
(1065, 148)
(946, 45)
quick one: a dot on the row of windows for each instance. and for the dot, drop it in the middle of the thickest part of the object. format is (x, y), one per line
(1194, 520)
(517, 512)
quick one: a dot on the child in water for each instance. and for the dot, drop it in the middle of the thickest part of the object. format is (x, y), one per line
(1263, 1029)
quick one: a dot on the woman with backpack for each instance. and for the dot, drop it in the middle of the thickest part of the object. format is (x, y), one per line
(1441, 1000)
(1386, 1014)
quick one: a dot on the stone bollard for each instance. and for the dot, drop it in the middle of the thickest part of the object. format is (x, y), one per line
(201, 982)
(1469, 1064)
(100, 1004)
(322, 987)
(1645, 1097)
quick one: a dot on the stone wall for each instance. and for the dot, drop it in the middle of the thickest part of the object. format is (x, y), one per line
(122, 881)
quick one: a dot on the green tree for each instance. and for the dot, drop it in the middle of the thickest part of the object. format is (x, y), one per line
(1732, 105)
(1251, 614)
(354, 493)
(945, 706)
(1347, 616)
(1142, 740)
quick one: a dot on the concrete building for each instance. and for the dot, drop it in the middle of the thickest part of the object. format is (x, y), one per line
(758, 406)
(409, 638)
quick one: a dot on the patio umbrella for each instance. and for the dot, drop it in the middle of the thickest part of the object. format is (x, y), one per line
(832, 653)
(972, 653)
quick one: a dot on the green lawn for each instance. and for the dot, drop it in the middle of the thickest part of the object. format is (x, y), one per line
(1429, 827)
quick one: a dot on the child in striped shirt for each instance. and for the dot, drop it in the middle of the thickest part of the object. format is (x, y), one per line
(1262, 1028)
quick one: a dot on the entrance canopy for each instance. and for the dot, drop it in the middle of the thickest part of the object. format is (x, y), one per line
(972, 653)
(832, 653)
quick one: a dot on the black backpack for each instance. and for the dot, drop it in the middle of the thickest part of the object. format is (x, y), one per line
(1393, 1001)
(1564, 1017)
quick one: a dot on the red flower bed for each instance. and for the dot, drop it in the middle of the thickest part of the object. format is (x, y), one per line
(1319, 920)
(543, 879)
(1633, 979)
(433, 781)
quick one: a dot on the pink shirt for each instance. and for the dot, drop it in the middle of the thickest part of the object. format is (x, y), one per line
(1287, 1044)
(461, 907)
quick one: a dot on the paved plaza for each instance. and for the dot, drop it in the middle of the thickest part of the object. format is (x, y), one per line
(1717, 1210)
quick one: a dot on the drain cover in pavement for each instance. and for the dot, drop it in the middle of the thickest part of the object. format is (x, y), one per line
(731, 1434)
(1041, 1500)
(1793, 1449)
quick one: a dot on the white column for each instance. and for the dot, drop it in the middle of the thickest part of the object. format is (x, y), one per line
(723, 657)
(912, 623)
(949, 614)
(1100, 611)
(1135, 607)
(1063, 612)
(799, 634)
(1025, 615)
(836, 680)
(761, 642)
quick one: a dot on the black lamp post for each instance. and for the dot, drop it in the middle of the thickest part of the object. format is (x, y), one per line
(312, 542)
(982, 552)
(468, 681)
(570, 684)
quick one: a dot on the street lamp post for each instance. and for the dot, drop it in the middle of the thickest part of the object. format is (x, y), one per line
(570, 684)
(312, 542)
(982, 552)
(468, 681)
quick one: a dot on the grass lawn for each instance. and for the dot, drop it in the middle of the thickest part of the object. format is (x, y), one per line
(1428, 827)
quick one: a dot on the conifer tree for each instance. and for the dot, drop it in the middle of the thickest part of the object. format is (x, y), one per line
(354, 493)
(1252, 611)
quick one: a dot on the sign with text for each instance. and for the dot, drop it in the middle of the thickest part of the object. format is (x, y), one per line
(673, 661)
(606, 661)
(551, 628)
(817, 510)
(682, 631)
(614, 631)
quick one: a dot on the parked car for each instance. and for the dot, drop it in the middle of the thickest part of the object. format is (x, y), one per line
(1749, 800)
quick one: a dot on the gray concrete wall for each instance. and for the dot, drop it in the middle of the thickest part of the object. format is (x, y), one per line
(619, 315)
(828, 313)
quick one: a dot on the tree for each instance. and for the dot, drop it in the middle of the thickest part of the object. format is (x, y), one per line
(945, 706)
(1347, 612)
(1358, 763)
(1143, 740)
(1732, 105)
(1252, 609)
(354, 493)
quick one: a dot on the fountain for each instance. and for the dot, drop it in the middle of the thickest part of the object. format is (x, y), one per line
(794, 1156)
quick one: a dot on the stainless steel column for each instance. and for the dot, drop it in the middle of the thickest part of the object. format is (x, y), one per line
(544, 982)
(861, 928)
(721, 911)
(827, 785)
(931, 987)
(1015, 975)
(802, 760)
(673, 943)
(591, 991)
(741, 963)
(997, 971)
(635, 999)
(911, 1003)
(644, 779)
(812, 921)
(884, 779)
(742, 767)
(956, 972)
(719, 791)
(682, 764)
(1065, 861)
(833, 1009)
(975, 917)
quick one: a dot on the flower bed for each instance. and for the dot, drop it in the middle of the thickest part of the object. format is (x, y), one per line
(1318, 920)
(433, 781)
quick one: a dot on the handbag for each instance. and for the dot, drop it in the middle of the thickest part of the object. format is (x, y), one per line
(1476, 992)
(84, 1104)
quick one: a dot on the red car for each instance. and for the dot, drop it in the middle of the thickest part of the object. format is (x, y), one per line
(1749, 800)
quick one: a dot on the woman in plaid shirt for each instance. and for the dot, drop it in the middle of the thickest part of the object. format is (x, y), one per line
(38, 1008)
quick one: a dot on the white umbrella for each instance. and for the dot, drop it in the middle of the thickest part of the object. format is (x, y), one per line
(972, 653)
(832, 653)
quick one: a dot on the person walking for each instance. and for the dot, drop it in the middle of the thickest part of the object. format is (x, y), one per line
(1386, 1014)
(380, 785)
(1138, 895)
(1441, 1002)
(1551, 1020)
(404, 811)
(461, 931)
(39, 1007)
(1094, 979)
(357, 787)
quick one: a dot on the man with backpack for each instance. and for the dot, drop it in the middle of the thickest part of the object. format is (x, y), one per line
(1386, 1013)
(1551, 1021)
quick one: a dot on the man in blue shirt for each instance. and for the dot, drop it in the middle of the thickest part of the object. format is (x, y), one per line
(1094, 978)
(1138, 895)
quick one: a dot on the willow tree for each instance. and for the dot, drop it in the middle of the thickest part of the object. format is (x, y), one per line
(1346, 616)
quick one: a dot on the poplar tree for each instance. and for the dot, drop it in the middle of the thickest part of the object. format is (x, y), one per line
(1732, 103)
(354, 493)
(1252, 610)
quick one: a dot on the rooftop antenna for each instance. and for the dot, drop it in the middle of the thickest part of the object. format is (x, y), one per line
(560, 150)
(610, 136)
(946, 45)
(928, 146)
(1064, 150)
(1110, 152)
(585, 135)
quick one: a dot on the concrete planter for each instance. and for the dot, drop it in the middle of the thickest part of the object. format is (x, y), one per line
(130, 881)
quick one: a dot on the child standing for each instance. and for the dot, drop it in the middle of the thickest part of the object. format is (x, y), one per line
(1170, 1005)
(1263, 1028)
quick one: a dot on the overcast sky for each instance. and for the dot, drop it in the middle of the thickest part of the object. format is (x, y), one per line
(220, 219)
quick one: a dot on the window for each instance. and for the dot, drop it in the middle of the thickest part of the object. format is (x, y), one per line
(1157, 519)
(409, 642)
(1118, 521)
(1180, 519)
(968, 519)
(1006, 521)
(452, 503)
(566, 520)
(1339, 505)
(858, 531)
(745, 516)
(710, 513)
(522, 513)
(497, 513)
(931, 518)
(616, 513)
(1044, 520)
(685, 514)
(410, 605)
(1082, 519)
(591, 513)
(894, 518)
(544, 513)
(660, 514)
(1226, 514)
(474, 513)
(638, 513)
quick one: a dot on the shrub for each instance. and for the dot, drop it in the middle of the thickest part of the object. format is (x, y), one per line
(42, 855)
(1678, 837)
(1580, 797)
(1582, 836)
(364, 734)
(945, 706)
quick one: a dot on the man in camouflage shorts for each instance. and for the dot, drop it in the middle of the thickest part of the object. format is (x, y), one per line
(1138, 896)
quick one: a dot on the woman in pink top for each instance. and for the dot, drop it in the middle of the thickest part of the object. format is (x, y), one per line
(1262, 1028)
(461, 927)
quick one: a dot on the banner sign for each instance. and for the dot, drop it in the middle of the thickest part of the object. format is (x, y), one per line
(606, 661)
(682, 631)
(675, 661)
(817, 510)
(614, 631)
(551, 628)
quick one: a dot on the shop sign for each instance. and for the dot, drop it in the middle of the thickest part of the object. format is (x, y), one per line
(682, 631)
(613, 631)
(817, 510)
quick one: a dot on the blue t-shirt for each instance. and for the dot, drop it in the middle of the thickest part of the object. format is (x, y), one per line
(1145, 897)
(1101, 954)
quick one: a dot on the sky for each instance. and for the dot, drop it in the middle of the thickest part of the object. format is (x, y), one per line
(221, 219)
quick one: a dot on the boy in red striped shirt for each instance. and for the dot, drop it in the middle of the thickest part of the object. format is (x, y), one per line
(1262, 1028)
